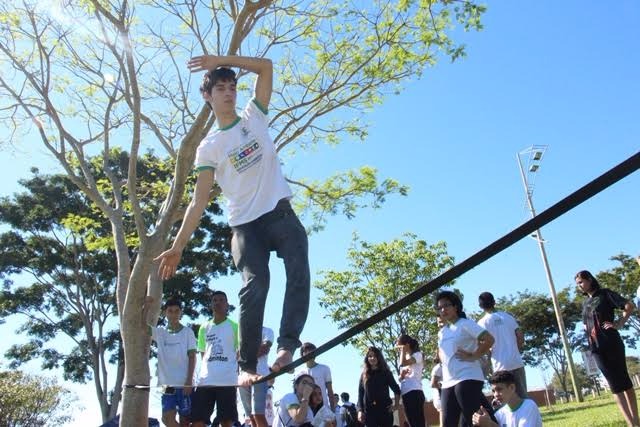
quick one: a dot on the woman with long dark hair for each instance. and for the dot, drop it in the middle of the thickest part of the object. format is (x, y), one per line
(605, 343)
(461, 344)
(411, 366)
(375, 408)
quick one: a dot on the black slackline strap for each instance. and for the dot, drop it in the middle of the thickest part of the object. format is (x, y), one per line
(143, 387)
(579, 196)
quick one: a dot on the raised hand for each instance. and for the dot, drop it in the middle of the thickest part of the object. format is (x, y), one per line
(203, 63)
(481, 417)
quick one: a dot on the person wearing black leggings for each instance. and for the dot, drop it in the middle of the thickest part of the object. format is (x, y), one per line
(411, 367)
(461, 344)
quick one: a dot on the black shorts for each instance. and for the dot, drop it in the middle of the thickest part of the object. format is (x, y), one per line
(205, 399)
(612, 364)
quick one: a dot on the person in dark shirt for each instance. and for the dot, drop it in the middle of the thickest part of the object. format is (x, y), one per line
(374, 404)
(605, 343)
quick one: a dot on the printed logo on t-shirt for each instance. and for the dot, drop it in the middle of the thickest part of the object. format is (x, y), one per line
(217, 350)
(247, 154)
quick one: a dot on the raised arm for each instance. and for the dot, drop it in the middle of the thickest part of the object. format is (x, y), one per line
(263, 67)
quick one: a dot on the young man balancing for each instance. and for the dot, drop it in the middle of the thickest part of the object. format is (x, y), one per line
(241, 157)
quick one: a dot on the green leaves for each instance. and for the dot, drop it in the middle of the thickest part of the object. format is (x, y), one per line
(344, 193)
(378, 275)
(30, 401)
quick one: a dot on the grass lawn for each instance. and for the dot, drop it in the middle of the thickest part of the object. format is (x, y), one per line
(599, 412)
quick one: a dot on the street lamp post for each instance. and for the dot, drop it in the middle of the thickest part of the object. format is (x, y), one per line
(535, 154)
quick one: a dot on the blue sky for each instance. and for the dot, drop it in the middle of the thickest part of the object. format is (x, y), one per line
(562, 74)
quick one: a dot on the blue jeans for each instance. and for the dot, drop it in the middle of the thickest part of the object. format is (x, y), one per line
(176, 401)
(279, 230)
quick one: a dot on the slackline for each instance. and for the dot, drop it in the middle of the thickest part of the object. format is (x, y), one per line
(579, 196)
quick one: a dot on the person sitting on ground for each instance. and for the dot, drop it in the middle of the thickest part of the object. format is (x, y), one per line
(323, 416)
(515, 411)
(293, 408)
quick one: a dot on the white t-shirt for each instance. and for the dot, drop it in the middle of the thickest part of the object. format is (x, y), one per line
(262, 368)
(525, 415)
(246, 165)
(283, 419)
(173, 354)
(436, 371)
(463, 334)
(339, 417)
(323, 416)
(413, 379)
(321, 376)
(505, 355)
(219, 343)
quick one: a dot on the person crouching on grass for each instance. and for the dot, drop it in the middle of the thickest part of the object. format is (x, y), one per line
(515, 411)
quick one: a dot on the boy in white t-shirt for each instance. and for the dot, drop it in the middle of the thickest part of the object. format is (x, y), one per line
(509, 340)
(515, 411)
(216, 388)
(240, 156)
(321, 375)
(176, 363)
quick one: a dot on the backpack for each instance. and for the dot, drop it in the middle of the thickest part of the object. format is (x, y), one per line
(351, 416)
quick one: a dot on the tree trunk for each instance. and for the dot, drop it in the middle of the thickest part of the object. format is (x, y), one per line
(136, 341)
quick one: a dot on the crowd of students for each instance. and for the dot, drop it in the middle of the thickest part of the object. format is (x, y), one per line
(457, 377)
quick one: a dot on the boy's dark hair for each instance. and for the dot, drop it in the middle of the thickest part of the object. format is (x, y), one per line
(502, 377)
(344, 396)
(214, 293)
(486, 301)
(307, 348)
(172, 302)
(221, 74)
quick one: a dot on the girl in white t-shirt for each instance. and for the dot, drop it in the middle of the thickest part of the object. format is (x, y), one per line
(411, 364)
(461, 343)
(293, 408)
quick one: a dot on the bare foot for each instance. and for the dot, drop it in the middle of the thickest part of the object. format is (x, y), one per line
(246, 378)
(283, 359)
